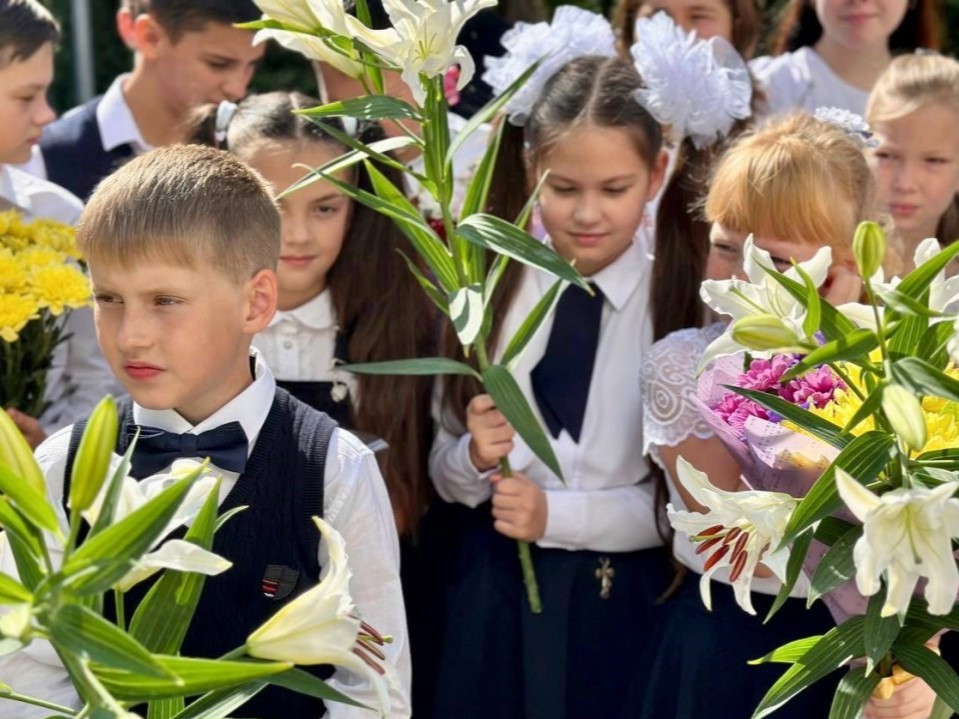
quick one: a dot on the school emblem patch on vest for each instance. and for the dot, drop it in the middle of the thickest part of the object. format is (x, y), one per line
(279, 581)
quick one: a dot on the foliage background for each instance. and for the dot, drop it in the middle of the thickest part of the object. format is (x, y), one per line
(283, 69)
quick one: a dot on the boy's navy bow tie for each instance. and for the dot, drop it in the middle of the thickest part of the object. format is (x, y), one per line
(156, 449)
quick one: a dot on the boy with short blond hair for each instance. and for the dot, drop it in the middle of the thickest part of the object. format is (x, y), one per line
(187, 54)
(182, 244)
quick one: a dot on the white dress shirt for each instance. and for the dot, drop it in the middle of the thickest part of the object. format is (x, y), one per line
(78, 376)
(355, 503)
(117, 127)
(299, 345)
(605, 504)
(802, 81)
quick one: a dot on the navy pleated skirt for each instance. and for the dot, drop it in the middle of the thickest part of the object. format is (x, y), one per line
(700, 666)
(495, 659)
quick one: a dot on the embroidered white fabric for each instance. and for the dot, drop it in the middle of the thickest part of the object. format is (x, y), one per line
(698, 87)
(573, 33)
(668, 379)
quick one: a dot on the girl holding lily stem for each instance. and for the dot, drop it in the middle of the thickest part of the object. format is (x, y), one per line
(753, 191)
(598, 556)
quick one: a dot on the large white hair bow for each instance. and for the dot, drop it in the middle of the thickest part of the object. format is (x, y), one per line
(697, 87)
(573, 33)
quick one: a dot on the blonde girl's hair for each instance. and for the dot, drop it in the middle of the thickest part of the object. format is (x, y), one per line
(912, 82)
(783, 181)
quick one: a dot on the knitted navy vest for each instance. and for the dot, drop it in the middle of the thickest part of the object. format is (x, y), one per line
(282, 487)
(73, 151)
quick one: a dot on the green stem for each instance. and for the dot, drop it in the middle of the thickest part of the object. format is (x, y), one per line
(24, 699)
(237, 653)
(120, 609)
(880, 329)
(525, 556)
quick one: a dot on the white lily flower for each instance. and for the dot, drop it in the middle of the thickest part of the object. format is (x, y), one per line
(309, 17)
(422, 39)
(907, 535)
(943, 292)
(321, 625)
(174, 554)
(760, 295)
(741, 528)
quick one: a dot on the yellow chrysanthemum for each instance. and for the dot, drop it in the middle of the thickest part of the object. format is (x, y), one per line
(55, 236)
(39, 256)
(15, 311)
(942, 415)
(15, 243)
(13, 277)
(8, 219)
(59, 287)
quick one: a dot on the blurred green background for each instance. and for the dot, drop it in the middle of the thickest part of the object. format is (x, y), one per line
(280, 69)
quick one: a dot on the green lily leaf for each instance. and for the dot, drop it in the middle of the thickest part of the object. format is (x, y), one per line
(532, 323)
(431, 290)
(418, 366)
(867, 409)
(857, 344)
(832, 651)
(879, 632)
(852, 694)
(788, 653)
(500, 236)
(905, 305)
(814, 424)
(303, 682)
(162, 618)
(918, 281)
(924, 379)
(12, 592)
(114, 489)
(906, 336)
(510, 401)
(113, 549)
(810, 324)
(793, 567)
(88, 635)
(185, 676)
(369, 107)
(28, 500)
(477, 192)
(865, 458)
(24, 542)
(832, 323)
(165, 708)
(933, 346)
(221, 702)
(837, 565)
(466, 313)
(486, 113)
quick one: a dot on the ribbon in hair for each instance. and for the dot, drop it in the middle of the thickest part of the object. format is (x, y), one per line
(224, 114)
(697, 87)
(850, 123)
(573, 33)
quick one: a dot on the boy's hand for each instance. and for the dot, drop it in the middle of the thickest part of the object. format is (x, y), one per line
(519, 507)
(29, 427)
(491, 435)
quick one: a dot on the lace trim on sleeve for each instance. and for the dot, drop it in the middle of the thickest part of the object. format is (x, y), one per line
(668, 380)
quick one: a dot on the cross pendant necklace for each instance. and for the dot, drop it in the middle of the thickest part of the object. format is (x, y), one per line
(605, 575)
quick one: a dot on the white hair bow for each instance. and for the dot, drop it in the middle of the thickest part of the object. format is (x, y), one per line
(573, 33)
(851, 123)
(697, 87)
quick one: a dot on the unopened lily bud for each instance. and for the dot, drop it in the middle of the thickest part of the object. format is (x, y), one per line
(16, 454)
(904, 412)
(93, 456)
(869, 248)
(763, 332)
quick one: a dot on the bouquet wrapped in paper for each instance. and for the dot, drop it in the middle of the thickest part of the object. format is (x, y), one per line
(41, 281)
(844, 421)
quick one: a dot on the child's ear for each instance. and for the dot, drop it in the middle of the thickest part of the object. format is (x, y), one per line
(657, 175)
(262, 292)
(149, 37)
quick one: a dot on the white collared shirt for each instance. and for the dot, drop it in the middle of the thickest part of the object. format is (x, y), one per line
(117, 127)
(605, 504)
(355, 503)
(299, 344)
(78, 376)
(802, 81)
